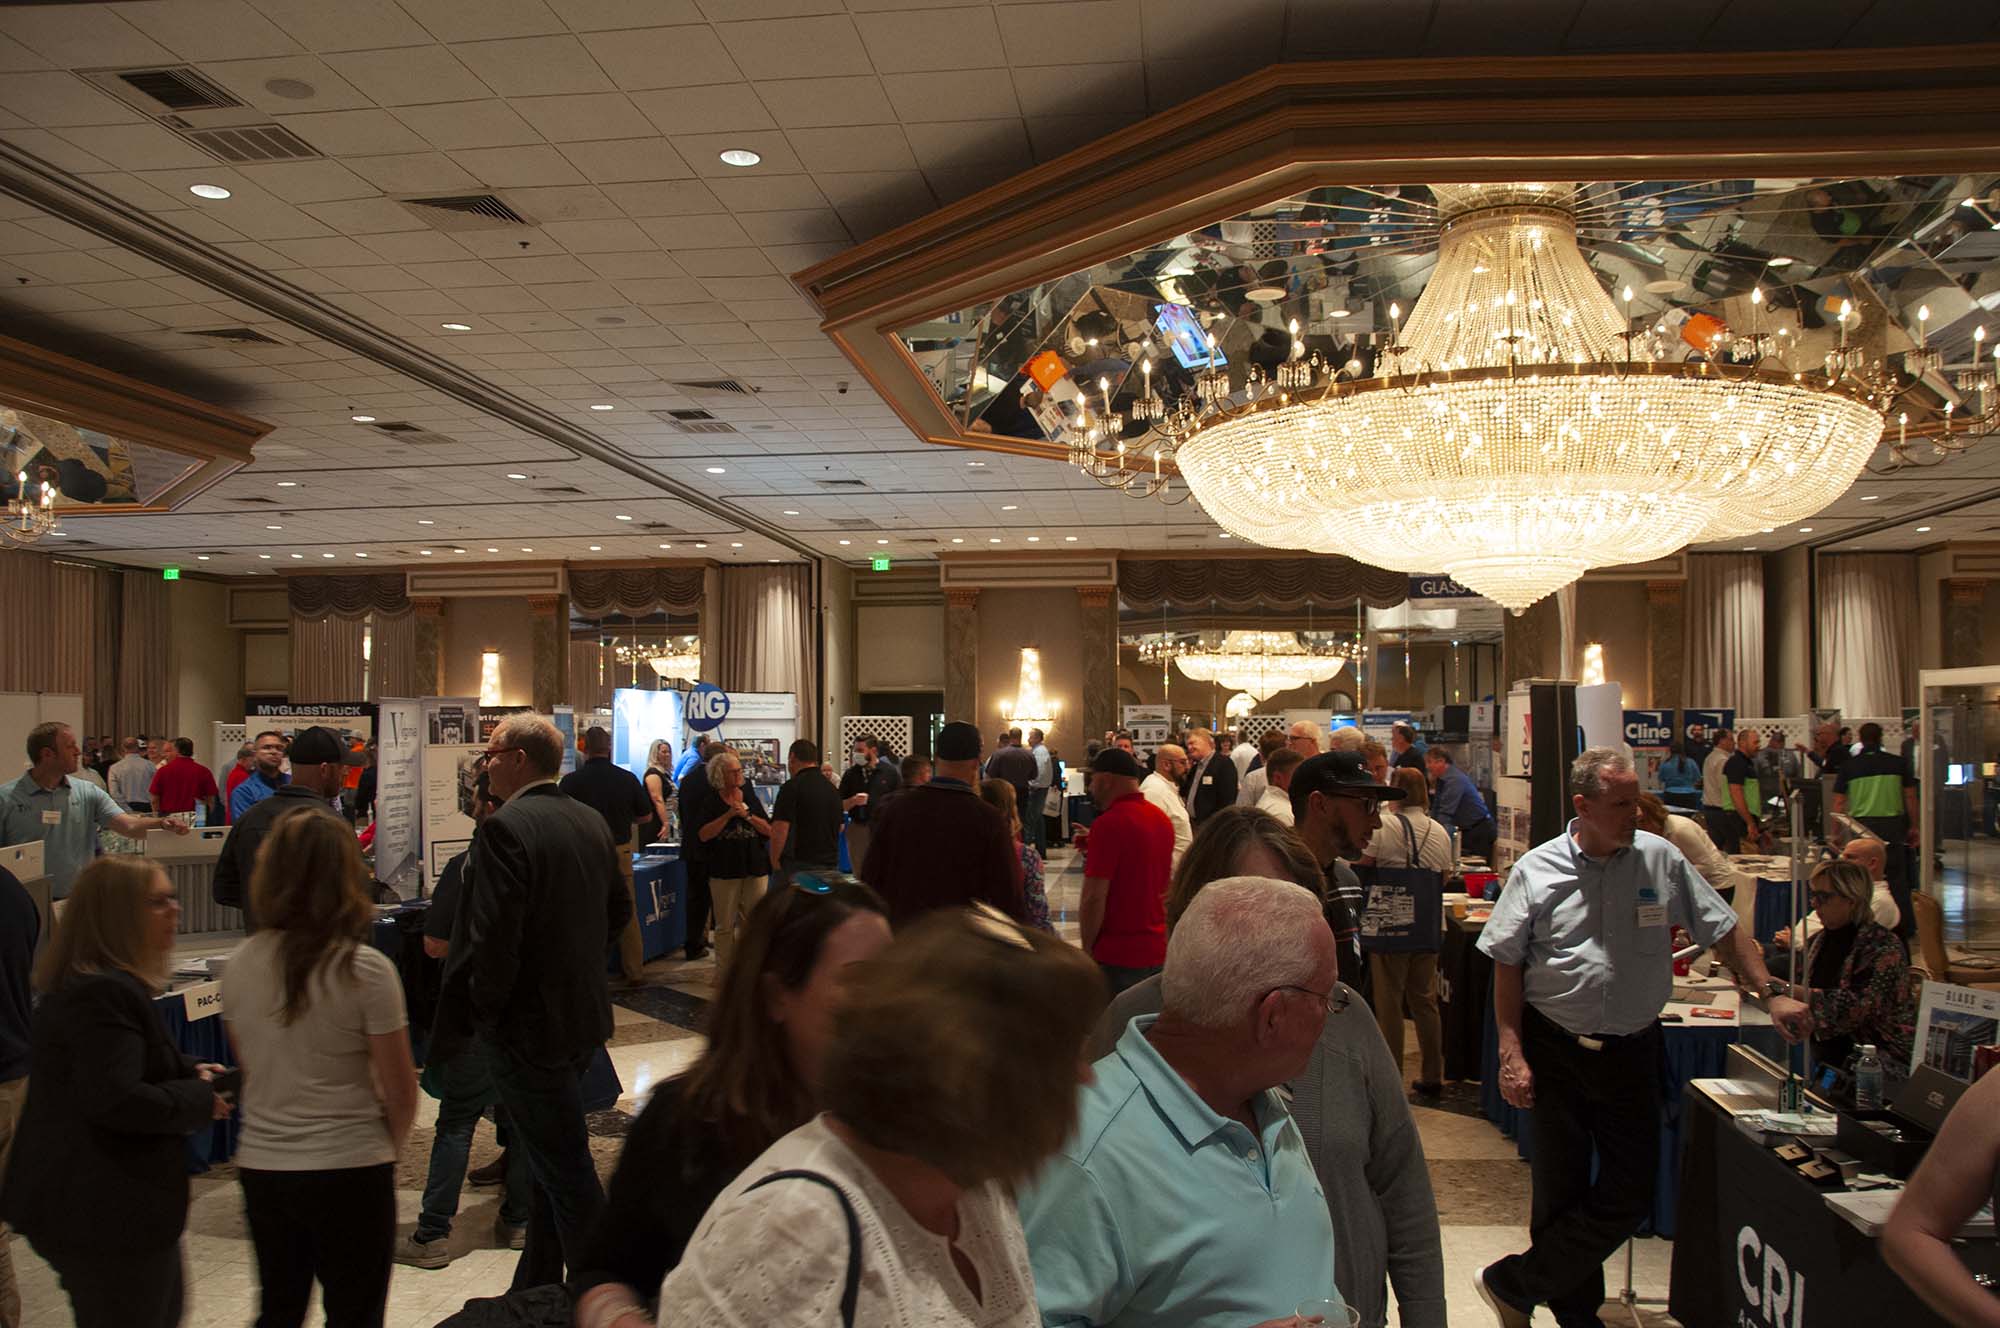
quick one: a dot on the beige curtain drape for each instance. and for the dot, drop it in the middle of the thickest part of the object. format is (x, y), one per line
(1725, 631)
(762, 639)
(392, 655)
(326, 659)
(145, 655)
(591, 678)
(1867, 632)
(54, 610)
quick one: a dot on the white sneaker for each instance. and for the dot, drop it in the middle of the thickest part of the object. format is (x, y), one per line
(1507, 1315)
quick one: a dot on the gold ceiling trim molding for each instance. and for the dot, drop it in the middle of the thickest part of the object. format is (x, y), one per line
(1293, 127)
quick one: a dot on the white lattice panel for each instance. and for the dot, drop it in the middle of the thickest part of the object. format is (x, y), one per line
(224, 742)
(893, 731)
(1253, 727)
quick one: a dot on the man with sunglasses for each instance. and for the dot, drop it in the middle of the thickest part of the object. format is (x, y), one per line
(1336, 809)
(1582, 948)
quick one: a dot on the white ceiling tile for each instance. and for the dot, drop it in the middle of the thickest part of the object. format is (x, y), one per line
(704, 152)
(59, 99)
(937, 39)
(480, 20)
(862, 148)
(81, 36)
(459, 275)
(1058, 90)
(378, 278)
(413, 247)
(796, 47)
(1055, 135)
(768, 193)
(451, 126)
(798, 103)
(502, 168)
(351, 25)
(663, 57)
(627, 160)
(355, 133)
(1092, 30)
(137, 147)
(248, 79)
(308, 181)
(973, 94)
(16, 58)
(1176, 30)
(620, 267)
(329, 251)
(532, 66)
(739, 262)
(58, 151)
(803, 227)
(419, 173)
(597, 15)
(904, 191)
(999, 145)
(598, 237)
(583, 117)
(210, 29)
(663, 290)
(556, 203)
(715, 108)
(364, 216)
(410, 76)
(667, 198)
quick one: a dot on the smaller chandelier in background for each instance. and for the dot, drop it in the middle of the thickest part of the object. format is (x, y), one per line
(1258, 664)
(30, 516)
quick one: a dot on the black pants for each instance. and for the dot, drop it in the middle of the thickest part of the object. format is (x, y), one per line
(699, 903)
(1476, 840)
(1899, 865)
(544, 1105)
(121, 1290)
(1122, 978)
(338, 1227)
(1605, 1103)
(1725, 827)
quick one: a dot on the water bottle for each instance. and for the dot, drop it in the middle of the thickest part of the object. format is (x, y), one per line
(1868, 1079)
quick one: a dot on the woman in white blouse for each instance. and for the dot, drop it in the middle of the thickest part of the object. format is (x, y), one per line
(941, 1090)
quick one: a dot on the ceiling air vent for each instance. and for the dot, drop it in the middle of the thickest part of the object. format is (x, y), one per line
(246, 143)
(854, 523)
(731, 386)
(693, 421)
(249, 336)
(842, 484)
(404, 431)
(178, 89)
(464, 212)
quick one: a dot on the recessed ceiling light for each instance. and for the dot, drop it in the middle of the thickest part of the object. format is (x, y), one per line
(597, 548)
(603, 407)
(739, 157)
(425, 521)
(202, 557)
(1923, 530)
(1749, 548)
(993, 539)
(208, 191)
(526, 549)
(326, 555)
(1011, 507)
(790, 512)
(621, 517)
(1069, 539)
(458, 550)
(976, 465)
(718, 470)
(1805, 530)
(736, 544)
(1225, 535)
(1034, 539)
(358, 554)
(274, 527)
(298, 555)
(666, 546)
(456, 327)
(515, 475)
(288, 484)
(1871, 497)
(956, 540)
(362, 419)
(425, 552)
(847, 541)
(1777, 260)
(770, 560)
(701, 544)
(491, 549)
(265, 556)
(881, 541)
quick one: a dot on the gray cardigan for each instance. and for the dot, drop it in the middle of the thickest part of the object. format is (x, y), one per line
(1350, 1107)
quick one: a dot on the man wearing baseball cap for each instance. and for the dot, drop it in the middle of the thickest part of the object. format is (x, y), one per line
(941, 846)
(319, 768)
(1128, 857)
(1336, 810)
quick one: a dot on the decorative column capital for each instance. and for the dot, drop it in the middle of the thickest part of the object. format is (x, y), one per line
(1094, 597)
(962, 597)
(1664, 592)
(543, 606)
(427, 607)
(1965, 589)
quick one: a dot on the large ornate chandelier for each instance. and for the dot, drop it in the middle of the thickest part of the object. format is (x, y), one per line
(1520, 430)
(1259, 664)
(30, 516)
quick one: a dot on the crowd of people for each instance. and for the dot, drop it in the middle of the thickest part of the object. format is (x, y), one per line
(916, 1103)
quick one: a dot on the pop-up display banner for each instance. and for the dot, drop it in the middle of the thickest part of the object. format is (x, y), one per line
(399, 750)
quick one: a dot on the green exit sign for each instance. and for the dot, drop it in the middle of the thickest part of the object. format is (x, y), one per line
(170, 574)
(880, 562)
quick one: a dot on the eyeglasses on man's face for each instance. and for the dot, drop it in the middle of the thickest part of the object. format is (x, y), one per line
(486, 757)
(1332, 1001)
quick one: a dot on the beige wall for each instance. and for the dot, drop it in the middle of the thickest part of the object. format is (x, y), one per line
(267, 663)
(1049, 619)
(208, 661)
(900, 647)
(472, 626)
(1613, 614)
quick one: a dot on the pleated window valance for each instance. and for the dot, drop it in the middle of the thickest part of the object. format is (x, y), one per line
(635, 591)
(1242, 583)
(347, 596)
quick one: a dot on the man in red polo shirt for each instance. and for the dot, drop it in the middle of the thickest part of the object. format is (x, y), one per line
(183, 782)
(1128, 856)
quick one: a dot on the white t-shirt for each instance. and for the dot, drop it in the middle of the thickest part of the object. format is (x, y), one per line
(1276, 801)
(1390, 848)
(309, 1101)
(1160, 791)
(779, 1255)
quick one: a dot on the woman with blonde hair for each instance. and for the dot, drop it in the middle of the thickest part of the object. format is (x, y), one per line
(317, 1017)
(1859, 982)
(945, 1086)
(999, 795)
(98, 1179)
(736, 847)
(659, 783)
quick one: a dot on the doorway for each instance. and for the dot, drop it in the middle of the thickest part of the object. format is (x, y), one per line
(925, 711)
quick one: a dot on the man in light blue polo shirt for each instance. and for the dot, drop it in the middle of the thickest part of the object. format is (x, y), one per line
(1186, 1197)
(65, 813)
(1582, 949)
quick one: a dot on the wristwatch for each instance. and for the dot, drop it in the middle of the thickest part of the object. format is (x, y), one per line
(1776, 987)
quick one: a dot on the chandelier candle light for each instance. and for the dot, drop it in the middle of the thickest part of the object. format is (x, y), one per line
(1522, 429)
(29, 518)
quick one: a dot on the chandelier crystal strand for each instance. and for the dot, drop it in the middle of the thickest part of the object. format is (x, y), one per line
(1258, 663)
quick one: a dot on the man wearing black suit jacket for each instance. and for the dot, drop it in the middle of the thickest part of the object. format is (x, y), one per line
(1211, 778)
(526, 976)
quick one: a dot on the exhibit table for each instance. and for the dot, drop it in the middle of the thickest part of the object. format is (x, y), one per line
(1696, 1048)
(1465, 981)
(193, 1018)
(1758, 1244)
(659, 892)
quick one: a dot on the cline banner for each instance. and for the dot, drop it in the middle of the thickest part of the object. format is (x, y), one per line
(1701, 726)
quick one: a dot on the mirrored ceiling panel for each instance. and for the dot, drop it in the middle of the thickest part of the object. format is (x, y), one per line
(88, 469)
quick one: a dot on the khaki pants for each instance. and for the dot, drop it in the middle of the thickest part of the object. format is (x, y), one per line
(1413, 978)
(857, 845)
(734, 897)
(12, 1094)
(631, 948)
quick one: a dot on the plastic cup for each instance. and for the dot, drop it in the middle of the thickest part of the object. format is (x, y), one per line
(1331, 1313)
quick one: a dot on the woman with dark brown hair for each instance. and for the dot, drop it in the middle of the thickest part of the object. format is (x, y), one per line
(944, 1087)
(98, 1177)
(317, 1018)
(758, 1080)
(999, 795)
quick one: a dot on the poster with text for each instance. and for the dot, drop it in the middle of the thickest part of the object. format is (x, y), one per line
(354, 721)
(1650, 735)
(399, 754)
(760, 727)
(1953, 1025)
(490, 717)
(1148, 725)
(639, 718)
(450, 777)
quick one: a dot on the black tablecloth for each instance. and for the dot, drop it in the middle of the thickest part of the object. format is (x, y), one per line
(1465, 985)
(1757, 1245)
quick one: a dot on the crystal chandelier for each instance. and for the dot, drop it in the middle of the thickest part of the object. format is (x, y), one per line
(30, 516)
(1520, 429)
(1259, 664)
(683, 663)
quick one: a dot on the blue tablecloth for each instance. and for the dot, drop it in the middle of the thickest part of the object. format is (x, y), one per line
(659, 888)
(1773, 910)
(204, 1040)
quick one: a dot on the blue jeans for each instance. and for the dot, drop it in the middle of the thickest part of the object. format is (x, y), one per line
(464, 1088)
(545, 1122)
(1034, 825)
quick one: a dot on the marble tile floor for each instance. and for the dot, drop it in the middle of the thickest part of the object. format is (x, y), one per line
(1481, 1185)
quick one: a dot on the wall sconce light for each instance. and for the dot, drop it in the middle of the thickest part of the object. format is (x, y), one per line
(489, 677)
(1593, 665)
(1030, 709)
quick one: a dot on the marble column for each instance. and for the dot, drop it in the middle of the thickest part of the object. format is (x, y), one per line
(430, 646)
(1963, 622)
(1666, 636)
(961, 655)
(548, 626)
(1531, 641)
(1098, 610)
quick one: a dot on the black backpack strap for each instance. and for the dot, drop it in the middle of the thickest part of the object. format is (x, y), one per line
(850, 1292)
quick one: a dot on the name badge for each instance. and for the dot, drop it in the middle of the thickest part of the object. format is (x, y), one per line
(1652, 915)
(1208, 779)
(51, 818)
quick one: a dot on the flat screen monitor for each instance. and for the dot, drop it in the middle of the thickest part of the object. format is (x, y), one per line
(638, 717)
(1957, 775)
(1183, 332)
